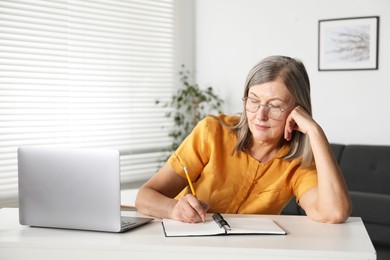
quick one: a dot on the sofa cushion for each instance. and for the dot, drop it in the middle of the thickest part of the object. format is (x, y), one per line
(366, 168)
(292, 208)
(379, 234)
(371, 207)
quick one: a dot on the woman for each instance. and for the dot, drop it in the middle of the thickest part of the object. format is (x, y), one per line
(255, 163)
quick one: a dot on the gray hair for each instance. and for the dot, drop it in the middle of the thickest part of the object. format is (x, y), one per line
(293, 74)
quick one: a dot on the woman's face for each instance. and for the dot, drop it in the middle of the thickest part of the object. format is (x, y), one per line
(274, 104)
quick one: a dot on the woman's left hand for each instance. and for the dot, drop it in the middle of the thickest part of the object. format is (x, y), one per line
(298, 120)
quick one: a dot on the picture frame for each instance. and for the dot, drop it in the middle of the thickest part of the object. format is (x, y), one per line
(348, 43)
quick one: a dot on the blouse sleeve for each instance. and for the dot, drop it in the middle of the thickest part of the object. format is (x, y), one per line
(304, 181)
(194, 151)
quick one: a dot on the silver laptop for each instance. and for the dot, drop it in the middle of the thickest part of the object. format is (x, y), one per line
(72, 189)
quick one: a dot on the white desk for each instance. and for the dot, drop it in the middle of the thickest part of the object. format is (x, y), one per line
(306, 239)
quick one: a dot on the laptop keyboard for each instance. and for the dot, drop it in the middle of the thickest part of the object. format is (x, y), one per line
(126, 222)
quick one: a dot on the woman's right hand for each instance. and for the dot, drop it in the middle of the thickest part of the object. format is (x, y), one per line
(157, 198)
(190, 209)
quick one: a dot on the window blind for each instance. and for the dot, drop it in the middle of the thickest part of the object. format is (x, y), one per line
(85, 73)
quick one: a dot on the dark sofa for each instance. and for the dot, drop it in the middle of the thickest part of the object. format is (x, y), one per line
(366, 169)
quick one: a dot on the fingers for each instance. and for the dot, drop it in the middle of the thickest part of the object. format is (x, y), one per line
(289, 128)
(199, 208)
(297, 120)
(190, 209)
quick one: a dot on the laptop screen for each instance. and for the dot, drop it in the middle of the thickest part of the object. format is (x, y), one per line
(69, 188)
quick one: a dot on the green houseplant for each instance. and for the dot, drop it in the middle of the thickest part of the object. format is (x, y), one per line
(188, 106)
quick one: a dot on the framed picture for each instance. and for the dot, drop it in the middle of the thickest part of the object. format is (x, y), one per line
(348, 43)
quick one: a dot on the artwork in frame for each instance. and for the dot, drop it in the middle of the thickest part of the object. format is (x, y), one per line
(348, 43)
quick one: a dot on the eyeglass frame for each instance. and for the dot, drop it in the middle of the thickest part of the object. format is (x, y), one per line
(266, 106)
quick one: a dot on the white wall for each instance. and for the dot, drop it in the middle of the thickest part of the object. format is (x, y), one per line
(232, 35)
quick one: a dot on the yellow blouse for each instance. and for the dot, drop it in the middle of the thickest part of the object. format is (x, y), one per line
(235, 182)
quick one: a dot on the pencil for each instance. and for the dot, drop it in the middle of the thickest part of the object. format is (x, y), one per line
(192, 189)
(189, 181)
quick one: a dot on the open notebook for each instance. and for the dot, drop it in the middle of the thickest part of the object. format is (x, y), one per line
(238, 226)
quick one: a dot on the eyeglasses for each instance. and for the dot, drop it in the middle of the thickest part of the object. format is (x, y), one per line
(252, 105)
